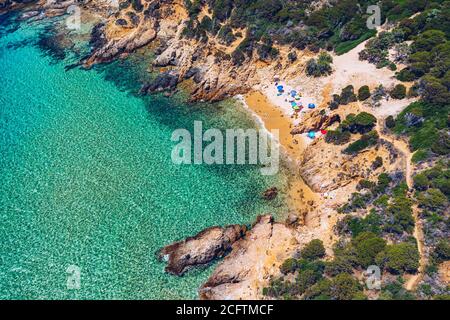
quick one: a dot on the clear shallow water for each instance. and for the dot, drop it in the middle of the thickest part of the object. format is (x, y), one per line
(87, 180)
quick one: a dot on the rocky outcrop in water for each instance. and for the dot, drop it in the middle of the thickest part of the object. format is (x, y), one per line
(252, 261)
(210, 244)
(270, 194)
(165, 81)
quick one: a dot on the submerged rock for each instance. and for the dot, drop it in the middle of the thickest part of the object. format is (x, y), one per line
(210, 244)
(270, 194)
(165, 81)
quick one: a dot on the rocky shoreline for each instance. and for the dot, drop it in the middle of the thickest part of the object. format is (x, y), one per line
(252, 256)
(208, 245)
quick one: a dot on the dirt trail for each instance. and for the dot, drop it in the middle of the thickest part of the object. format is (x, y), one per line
(403, 148)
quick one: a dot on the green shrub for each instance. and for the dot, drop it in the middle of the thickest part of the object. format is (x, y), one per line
(421, 181)
(406, 75)
(345, 287)
(399, 92)
(338, 265)
(441, 252)
(401, 219)
(313, 250)
(360, 123)
(419, 156)
(367, 246)
(347, 95)
(320, 67)
(337, 137)
(288, 266)
(390, 122)
(366, 141)
(363, 93)
(432, 199)
(399, 258)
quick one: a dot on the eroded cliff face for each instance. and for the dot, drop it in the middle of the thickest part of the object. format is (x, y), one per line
(160, 24)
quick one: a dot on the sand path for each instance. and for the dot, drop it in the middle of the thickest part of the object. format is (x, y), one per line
(403, 148)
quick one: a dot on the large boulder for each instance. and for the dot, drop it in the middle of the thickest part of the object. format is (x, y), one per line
(210, 244)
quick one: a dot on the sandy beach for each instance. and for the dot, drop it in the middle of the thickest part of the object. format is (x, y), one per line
(300, 197)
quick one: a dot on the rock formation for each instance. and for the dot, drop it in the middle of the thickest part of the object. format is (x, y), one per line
(252, 261)
(210, 244)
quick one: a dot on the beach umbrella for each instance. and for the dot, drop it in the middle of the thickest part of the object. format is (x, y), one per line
(311, 134)
(293, 104)
(323, 131)
(311, 106)
(280, 88)
(293, 93)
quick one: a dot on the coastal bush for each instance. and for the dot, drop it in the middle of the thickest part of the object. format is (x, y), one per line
(378, 94)
(421, 182)
(306, 279)
(441, 252)
(432, 199)
(383, 182)
(371, 223)
(399, 258)
(390, 122)
(367, 246)
(405, 75)
(357, 201)
(341, 287)
(337, 137)
(395, 290)
(289, 266)
(320, 67)
(360, 123)
(437, 177)
(347, 95)
(365, 184)
(398, 92)
(366, 141)
(363, 93)
(226, 35)
(420, 156)
(278, 287)
(292, 56)
(313, 250)
(337, 266)
(400, 219)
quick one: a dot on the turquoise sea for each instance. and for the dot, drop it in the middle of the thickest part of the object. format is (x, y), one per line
(87, 179)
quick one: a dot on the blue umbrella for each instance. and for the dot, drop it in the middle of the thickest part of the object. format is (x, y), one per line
(280, 88)
(312, 134)
(311, 105)
(293, 93)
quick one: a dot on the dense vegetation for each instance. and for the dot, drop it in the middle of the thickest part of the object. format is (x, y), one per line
(422, 44)
(362, 123)
(340, 26)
